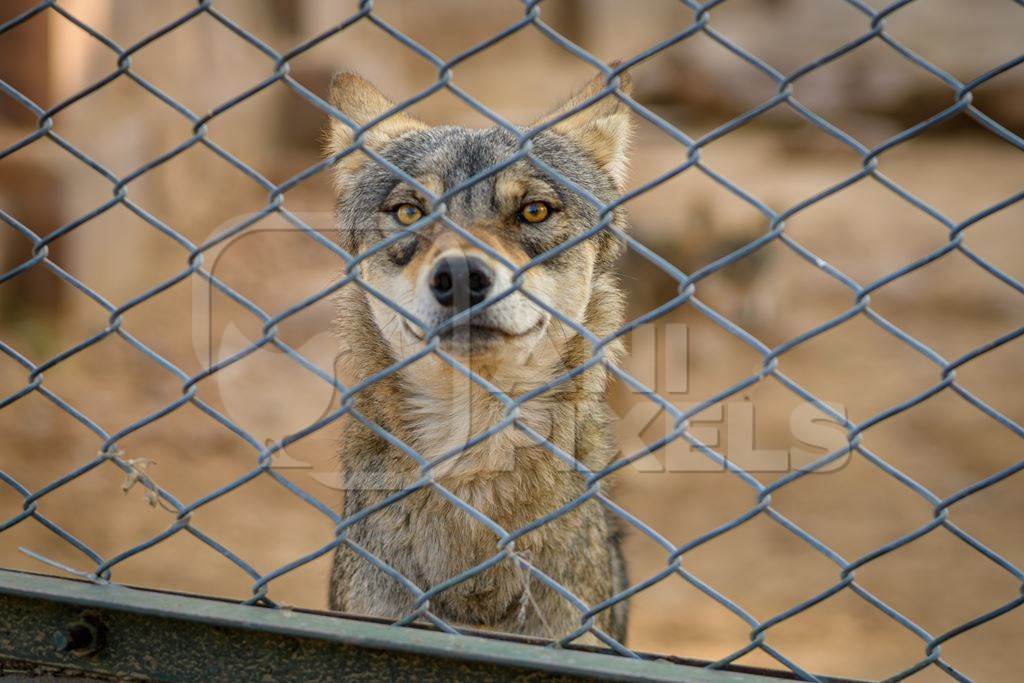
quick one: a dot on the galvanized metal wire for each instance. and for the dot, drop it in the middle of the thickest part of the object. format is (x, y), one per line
(109, 455)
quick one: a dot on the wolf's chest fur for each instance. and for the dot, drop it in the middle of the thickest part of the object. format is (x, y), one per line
(506, 477)
(504, 474)
(442, 423)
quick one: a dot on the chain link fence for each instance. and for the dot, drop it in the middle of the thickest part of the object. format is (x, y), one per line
(100, 568)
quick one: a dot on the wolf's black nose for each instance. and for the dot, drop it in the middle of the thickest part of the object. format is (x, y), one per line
(461, 281)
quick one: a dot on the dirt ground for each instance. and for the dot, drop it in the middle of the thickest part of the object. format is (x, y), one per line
(944, 444)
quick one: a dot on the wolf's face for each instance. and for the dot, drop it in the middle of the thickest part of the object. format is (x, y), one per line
(515, 216)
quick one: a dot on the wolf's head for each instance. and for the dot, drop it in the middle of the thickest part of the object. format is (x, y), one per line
(518, 214)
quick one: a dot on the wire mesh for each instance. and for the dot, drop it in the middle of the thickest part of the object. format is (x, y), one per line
(687, 286)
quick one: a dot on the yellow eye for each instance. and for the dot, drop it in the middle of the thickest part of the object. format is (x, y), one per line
(407, 214)
(535, 212)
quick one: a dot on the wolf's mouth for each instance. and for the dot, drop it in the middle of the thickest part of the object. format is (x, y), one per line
(476, 331)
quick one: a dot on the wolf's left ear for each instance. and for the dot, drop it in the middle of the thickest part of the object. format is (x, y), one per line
(362, 102)
(604, 129)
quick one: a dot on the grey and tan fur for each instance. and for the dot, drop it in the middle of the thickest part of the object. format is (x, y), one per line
(513, 344)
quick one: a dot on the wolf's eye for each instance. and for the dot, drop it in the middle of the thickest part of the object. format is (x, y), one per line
(407, 214)
(534, 212)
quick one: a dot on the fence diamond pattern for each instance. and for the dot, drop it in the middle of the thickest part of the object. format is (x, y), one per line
(874, 24)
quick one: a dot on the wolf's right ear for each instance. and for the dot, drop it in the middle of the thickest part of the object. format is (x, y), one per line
(604, 129)
(362, 102)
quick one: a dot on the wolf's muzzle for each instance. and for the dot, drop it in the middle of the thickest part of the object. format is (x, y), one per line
(461, 281)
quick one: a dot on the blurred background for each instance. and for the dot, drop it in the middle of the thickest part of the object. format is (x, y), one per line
(866, 231)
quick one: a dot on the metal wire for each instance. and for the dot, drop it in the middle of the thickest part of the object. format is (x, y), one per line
(860, 306)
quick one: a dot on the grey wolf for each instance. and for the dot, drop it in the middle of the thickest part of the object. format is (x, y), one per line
(514, 344)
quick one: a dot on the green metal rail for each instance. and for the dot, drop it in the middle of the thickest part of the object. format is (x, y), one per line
(117, 632)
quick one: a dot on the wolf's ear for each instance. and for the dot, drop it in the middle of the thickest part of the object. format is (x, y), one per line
(362, 102)
(604, 129)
